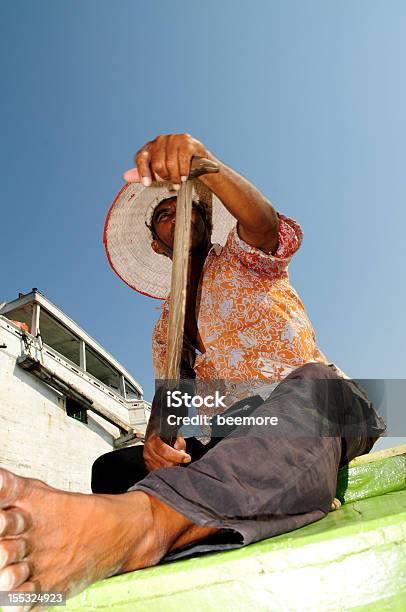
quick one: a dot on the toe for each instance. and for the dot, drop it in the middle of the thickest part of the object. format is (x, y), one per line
(13, 522)
(11, 488)
(12, 551)
(25, 587)
(14, 575)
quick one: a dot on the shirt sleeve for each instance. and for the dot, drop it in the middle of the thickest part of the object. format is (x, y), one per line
(290, 236)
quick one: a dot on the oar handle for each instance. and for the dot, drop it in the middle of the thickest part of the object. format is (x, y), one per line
(201, 165)
(177, 304)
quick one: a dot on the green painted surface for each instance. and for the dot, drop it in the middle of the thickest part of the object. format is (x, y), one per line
(372, 479)
(354, 558)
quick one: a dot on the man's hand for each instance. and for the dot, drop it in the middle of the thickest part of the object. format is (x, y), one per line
(157, 454)
(167, 158)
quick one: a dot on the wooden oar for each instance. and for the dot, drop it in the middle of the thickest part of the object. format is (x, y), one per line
(180, 263)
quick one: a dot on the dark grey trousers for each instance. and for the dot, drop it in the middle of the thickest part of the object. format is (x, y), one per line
(261, 481)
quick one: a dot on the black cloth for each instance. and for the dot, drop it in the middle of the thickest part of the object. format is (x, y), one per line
(260, 481)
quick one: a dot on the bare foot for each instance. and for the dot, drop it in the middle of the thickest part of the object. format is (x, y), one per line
(51, 540)
(335, 504)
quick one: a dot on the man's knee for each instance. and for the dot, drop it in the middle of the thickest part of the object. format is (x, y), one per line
(102, 471)
(118, 470)
(315, 371)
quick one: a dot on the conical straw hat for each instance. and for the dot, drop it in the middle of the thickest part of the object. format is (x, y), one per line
(127, 239)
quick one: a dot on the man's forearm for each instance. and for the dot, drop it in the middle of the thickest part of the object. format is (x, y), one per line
(257, 219)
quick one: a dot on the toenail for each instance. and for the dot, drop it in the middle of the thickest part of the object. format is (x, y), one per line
(17, 522)
(6, 580)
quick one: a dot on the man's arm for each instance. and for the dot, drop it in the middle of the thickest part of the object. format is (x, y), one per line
(168, 158)
(257, 219)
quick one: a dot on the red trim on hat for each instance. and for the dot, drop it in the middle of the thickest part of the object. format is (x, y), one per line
(107, 249)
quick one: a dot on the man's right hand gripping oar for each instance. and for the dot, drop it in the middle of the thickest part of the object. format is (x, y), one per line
(158, 454)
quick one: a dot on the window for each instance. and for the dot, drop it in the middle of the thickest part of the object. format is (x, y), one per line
(76, 410)
(102, 370)
(58, 337)
(130, 392)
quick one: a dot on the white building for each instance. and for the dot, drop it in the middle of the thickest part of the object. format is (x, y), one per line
(64, 400)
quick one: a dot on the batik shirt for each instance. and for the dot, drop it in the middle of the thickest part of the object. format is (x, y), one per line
(251, 321)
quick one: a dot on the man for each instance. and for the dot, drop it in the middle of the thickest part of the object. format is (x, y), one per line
(245, 328)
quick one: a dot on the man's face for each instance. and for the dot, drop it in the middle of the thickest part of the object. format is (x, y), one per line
(163, 223)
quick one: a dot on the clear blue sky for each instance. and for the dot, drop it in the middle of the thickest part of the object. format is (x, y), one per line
(306, 99)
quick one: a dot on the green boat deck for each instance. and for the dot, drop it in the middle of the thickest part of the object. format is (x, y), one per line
(354, 558)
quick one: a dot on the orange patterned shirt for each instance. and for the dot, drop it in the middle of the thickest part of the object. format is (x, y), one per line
(251, 320)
